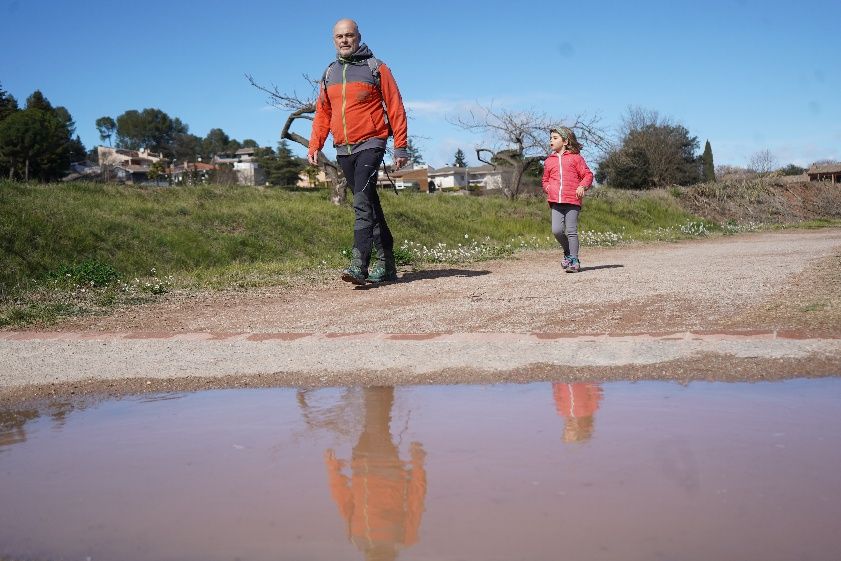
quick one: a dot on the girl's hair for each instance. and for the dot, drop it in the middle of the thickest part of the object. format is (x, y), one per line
(566, 133)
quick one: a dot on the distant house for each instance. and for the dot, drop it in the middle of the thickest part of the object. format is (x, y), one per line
(415, 178)
(83, 170)
(828, 172)
(246, 154)
(480, 177)
(224, 159)
(130, 173)
(312, 177)
(486, 177)
(122, 156)
(450, 177)
(126, 166)
(188, 173)
(245, 166)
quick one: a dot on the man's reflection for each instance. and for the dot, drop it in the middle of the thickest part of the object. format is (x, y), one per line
(577, 404)
(12, 426)
(382, 499)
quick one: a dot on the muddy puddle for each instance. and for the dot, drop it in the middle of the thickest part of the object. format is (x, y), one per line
(631, 471)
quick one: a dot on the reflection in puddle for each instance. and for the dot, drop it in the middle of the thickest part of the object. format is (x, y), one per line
(577, 404)
(382, 499)
(698, 472)
(12, 426)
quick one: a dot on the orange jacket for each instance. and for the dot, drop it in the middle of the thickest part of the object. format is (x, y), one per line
(576, 400)
(382, 500)
(350, 107)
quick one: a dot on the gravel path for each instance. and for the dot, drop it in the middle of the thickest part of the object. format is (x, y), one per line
(739, 307)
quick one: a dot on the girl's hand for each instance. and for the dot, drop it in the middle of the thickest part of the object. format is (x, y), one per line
(580, 192)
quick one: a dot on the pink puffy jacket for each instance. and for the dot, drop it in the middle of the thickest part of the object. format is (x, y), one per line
(576, 173)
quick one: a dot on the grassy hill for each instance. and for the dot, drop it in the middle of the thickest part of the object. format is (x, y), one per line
(116, 244)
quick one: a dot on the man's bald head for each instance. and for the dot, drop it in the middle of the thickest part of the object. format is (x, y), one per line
(346, 37)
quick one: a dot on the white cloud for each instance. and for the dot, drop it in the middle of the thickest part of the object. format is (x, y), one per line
(445, 107)
(439, 108)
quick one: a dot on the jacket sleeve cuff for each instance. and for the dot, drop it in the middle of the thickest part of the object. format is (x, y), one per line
(401, 153)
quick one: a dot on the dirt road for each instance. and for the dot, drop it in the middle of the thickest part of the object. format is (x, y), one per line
(756, 305)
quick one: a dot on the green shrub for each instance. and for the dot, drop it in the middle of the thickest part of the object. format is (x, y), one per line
(88, 273)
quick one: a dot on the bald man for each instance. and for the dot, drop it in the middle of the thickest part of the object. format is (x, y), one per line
(360, 105)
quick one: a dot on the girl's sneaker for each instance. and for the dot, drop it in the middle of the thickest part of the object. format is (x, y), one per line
(566, 262)
(574, 265)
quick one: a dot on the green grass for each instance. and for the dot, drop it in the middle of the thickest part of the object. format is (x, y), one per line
(82, 248)
(215, 235)
(815, 307)
(638, 214)
(817, 223)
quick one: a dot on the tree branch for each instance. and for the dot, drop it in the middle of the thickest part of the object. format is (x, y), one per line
(304, 109)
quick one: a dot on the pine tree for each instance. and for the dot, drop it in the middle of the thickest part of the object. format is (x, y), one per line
(37, 143)
(709, 167)
(34, 145)
(38, 101)
(8, 104)
(459, 160)
(283, 167)
(415, 156)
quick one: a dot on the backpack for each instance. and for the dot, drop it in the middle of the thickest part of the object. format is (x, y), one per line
(373, 64)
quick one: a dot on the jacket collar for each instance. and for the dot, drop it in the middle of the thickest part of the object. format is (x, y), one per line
(362, 54)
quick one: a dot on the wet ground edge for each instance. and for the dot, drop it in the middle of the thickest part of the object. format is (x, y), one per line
(710, 367)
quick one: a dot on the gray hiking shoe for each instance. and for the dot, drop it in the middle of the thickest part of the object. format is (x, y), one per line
(385, 269)
(383, 272)
(356, 272)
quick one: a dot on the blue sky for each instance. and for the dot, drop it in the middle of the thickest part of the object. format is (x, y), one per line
(748, 75)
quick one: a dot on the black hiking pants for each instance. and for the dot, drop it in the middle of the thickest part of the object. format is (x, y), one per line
(369, 227)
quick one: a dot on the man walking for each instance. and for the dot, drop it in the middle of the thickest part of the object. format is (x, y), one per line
(360, 105)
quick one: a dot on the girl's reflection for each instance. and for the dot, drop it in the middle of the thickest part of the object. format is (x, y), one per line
(577, 404)
(382, 499)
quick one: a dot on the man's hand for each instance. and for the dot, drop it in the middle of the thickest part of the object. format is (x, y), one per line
(313, 158)
(400, 162)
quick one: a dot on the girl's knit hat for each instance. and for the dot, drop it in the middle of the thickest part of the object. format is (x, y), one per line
(563, 132)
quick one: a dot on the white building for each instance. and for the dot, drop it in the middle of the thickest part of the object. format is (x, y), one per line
(449, 177)
(481, 177)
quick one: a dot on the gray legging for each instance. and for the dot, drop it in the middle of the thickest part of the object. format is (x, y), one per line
(565, 226)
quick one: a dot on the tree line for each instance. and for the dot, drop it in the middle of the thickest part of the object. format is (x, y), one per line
(37, 141)
(154, 130)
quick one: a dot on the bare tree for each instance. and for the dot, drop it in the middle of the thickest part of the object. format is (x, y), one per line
(519, 138)
(763, 162)
(304, 108)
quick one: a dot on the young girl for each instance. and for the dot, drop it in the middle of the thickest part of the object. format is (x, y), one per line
(566, 178)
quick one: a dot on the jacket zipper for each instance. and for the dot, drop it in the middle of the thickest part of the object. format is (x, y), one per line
(344, 105)
(561, 176)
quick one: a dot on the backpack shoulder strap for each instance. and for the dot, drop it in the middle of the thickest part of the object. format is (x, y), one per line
(324, 76)
(374, 64)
